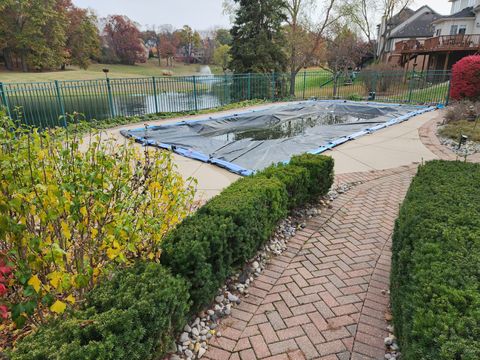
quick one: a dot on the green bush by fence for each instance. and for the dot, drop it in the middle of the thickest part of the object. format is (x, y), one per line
(206, 247)
(44, 104)
(133, 315)
(435, 281)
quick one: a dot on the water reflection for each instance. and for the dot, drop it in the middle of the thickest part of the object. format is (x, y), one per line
(276, 129)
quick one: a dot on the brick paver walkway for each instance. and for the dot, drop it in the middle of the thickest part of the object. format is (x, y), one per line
(325, 297)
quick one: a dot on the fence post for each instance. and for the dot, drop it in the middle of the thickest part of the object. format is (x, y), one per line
(154, 82)
(195, 92)
(5, 100)
(225, 96)
(273, 86)
(60, 103)
(335, 84)
(447, 97)
(110, 99)
(410, 86)
(304, 82)
(249, 87)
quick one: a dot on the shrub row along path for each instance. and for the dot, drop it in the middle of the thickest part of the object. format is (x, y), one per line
(326, 296)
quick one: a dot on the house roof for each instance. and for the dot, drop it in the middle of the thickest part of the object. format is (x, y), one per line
(402, 16)
(420, 27)
(464, 13)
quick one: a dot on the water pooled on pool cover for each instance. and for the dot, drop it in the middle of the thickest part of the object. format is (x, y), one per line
(255, 140)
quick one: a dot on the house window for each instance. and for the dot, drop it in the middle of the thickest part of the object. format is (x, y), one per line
(438, 32)
(471, 2)
(389, 44)
(462, 29)
(453, 30)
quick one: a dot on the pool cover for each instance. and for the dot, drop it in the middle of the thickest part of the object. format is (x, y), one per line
(253, 140)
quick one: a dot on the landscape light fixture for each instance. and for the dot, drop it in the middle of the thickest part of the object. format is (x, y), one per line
(106, 72)
(463, 140)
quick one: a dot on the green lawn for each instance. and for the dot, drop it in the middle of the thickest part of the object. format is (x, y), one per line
(150, 68)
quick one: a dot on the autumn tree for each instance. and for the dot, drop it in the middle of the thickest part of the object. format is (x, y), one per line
(189, 41)
(34, 33)
(362, 14)
(345, 52)
(208, 46)
(46, 34)
(388, 9)
(169, 42)
(122, 41)
(258, 38)
(306, 32)
(151, 39)
(83, 39)
(222, 57)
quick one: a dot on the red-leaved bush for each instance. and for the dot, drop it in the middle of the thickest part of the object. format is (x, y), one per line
(5, 274)
(465, 82)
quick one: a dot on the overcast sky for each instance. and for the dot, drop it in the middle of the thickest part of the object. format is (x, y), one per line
(199, 14)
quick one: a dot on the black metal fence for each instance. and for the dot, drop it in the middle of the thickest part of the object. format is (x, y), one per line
(46, 104)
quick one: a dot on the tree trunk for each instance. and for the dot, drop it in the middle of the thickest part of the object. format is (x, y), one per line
(8, 59)
(335, 83)
(158, 54)
(23, 58)
(293, 78)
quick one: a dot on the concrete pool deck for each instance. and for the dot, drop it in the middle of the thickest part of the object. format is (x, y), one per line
(388, 148)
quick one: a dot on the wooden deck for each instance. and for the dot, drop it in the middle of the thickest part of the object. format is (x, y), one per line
(460, 42)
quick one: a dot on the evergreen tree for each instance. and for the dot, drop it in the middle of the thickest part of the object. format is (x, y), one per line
(258, 40)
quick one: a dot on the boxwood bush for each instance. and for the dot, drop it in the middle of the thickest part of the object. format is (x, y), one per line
(199, 251)
(320, 169)
(133, 315)
(227, 231)
(435, 281)
(296, 181)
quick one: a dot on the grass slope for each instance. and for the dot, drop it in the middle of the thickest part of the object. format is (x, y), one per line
(150, 68)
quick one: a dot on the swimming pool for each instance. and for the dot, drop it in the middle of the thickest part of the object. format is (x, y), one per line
(249, 141)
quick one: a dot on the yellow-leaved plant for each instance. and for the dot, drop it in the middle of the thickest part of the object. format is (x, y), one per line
(72, 210)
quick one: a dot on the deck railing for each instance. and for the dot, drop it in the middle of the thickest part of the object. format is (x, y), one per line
(47, 104)
(440, 43)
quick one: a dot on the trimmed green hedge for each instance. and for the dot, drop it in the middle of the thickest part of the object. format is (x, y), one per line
(435, 281)
(133, 315)
(227, 231)
(296, 180)
(320, 169)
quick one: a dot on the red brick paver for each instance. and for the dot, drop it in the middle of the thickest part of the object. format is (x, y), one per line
(325, 296)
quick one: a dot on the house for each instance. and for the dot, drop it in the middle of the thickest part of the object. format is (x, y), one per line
(407, 25)
(453, 37)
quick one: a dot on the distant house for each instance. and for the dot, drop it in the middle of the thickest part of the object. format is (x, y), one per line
(407, 26)
(451, 38)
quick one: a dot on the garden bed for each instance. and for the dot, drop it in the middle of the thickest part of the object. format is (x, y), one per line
(435, 282)
(461, 119)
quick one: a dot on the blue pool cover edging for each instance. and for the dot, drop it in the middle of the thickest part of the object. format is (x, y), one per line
(234, 168)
